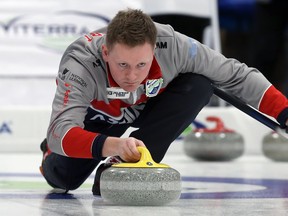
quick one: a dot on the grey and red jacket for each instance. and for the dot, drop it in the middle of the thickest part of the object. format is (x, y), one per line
(86, 91)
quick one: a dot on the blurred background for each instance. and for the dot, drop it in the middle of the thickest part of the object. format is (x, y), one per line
(35, 33)
(256, 33)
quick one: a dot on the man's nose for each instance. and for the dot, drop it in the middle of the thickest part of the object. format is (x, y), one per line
(131, 74)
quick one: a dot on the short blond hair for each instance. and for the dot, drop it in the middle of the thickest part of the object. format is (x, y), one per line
(131, 27)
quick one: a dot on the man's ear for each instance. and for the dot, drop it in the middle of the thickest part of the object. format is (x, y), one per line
(105, 52)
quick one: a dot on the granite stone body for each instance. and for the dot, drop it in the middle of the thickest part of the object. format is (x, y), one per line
(217, 144)
(140, 186)
(275, 147)
(214, 146)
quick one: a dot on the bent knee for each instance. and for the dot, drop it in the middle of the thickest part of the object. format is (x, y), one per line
(190, 82)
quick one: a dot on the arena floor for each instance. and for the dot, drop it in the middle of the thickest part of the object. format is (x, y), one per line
(250, 185)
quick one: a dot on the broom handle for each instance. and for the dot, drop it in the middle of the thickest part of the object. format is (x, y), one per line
(239, 104)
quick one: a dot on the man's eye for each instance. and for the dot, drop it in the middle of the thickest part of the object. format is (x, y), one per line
(122, 64)
(141, 64)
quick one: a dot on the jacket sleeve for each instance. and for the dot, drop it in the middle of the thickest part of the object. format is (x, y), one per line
(247, 83)
(66, 135)
(275, 104)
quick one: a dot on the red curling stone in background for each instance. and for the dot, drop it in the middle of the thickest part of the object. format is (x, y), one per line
(217, 144)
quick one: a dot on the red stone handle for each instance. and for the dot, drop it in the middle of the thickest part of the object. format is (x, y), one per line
(219, 128)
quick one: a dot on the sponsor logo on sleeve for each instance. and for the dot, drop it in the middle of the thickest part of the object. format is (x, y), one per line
(161, 45)
(62, 75)
(77, 79)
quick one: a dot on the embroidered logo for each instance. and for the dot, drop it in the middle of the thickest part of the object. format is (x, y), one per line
(153, 86)
(62, 75)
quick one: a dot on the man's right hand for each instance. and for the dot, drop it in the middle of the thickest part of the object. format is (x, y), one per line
(125, 148)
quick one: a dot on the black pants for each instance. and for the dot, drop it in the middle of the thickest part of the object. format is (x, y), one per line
(160, 123)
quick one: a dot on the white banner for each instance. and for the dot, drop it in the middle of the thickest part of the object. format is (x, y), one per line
(34, 33)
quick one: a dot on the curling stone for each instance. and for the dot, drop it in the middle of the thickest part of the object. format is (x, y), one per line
(275, 147)
(143, 183)
(218, 144)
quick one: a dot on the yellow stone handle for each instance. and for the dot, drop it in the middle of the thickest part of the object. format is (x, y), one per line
(145, 161)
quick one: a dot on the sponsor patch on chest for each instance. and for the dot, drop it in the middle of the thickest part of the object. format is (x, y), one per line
(153, 86)
(117, 93)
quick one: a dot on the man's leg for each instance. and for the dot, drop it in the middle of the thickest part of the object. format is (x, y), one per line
(166, 116)
(63, 172)
(69, 173)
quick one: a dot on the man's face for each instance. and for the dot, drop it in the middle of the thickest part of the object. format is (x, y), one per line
(129, 66)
